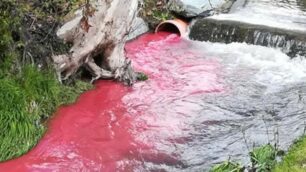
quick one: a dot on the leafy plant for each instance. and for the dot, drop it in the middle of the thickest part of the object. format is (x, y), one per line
(142, 76)
(161, 15)
(228, 166)
(263, 158)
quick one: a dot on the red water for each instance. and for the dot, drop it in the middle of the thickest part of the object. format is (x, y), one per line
(119, 128)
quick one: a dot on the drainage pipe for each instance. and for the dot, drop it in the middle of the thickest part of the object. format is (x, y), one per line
(174, 26)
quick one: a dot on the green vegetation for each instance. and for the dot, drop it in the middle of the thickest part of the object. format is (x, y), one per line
(154, 12)
(228, 166)
(142, 76)
(263, 158)
(48, 8)
(27, 99)
(295, 160)
(28, 94)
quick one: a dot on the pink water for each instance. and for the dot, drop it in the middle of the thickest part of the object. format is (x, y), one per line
(119, 128)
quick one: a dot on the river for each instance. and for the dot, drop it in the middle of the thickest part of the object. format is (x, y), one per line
(203, 103)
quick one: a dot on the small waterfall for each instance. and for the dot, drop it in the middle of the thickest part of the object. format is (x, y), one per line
(292, 43)
(287, 44)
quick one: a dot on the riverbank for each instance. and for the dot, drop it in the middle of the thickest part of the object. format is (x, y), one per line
(29, 90)
(264, 159)
(295, 159)
(28, 99)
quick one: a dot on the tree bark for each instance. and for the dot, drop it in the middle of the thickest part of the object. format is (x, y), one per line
(100, 29)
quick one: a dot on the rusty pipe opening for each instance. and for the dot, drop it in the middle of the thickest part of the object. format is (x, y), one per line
(174, 26)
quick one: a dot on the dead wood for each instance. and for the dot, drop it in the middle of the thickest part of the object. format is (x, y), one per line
(100, 29)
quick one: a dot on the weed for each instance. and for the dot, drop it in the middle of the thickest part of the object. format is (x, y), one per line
(263, 158)
(228, 166)
(142, 76)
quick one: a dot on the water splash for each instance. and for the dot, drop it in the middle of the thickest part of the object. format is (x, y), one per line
(289, 15)
(272, 23)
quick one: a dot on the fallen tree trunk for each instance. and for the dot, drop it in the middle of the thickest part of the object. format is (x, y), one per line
(99, 30)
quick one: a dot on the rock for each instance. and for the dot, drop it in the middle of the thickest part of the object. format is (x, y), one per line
(67, 33)
(194, 8)
(139, 27)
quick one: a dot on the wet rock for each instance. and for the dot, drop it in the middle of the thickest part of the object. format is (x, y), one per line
(291, 42)
(138, 28)
(203, 8)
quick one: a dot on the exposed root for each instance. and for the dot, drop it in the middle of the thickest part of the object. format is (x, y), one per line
(103, 33)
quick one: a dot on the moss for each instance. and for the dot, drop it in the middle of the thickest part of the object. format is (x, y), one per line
(295, 159)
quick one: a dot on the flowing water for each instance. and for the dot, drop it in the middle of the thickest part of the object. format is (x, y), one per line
(203, 102)
(286, 14)
(273, 23)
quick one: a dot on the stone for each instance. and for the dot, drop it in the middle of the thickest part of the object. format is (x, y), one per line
(139, 27)
(195, 8)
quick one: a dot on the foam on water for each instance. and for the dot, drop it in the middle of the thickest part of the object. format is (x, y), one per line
(290, 15)
(271, 67)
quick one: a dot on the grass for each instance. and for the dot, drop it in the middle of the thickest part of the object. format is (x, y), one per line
(28, 95)
(263, 158)
(228, 166)
(27, 99)
(295, 159)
